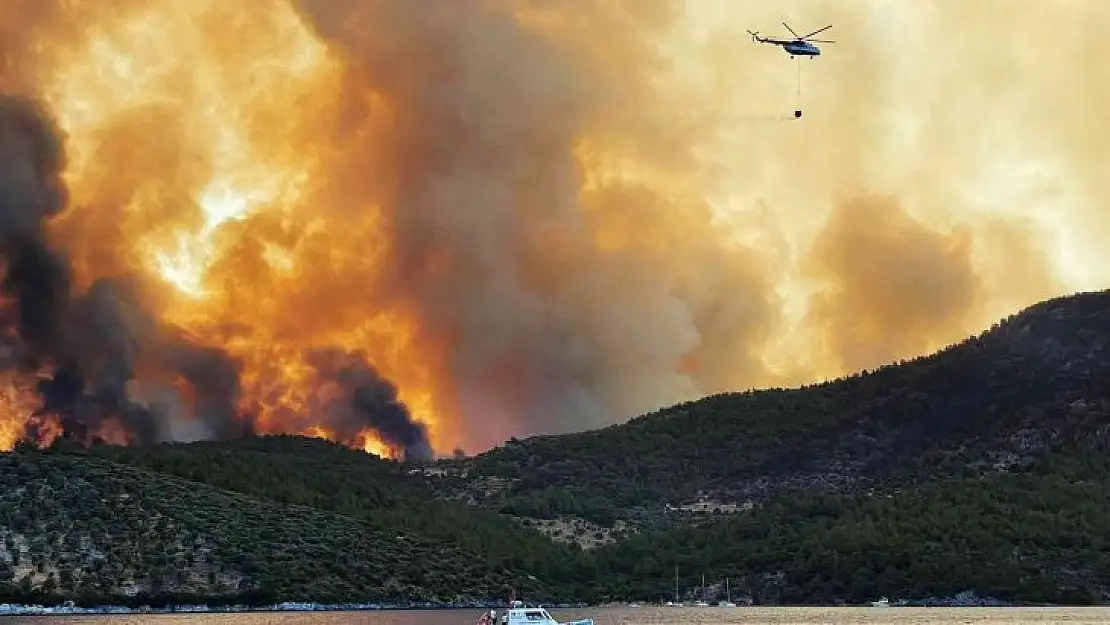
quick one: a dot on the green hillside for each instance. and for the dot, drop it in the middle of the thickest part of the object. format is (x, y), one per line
(1041, 536)
(90, 529)
(982, 467)
(991, 403)
(331, 478)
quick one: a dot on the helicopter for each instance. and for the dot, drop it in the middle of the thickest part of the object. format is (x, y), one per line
(799, 46)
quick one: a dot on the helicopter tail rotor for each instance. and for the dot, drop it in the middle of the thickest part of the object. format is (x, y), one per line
(754, 34)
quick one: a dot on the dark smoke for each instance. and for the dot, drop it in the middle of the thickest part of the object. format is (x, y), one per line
(368, 401)
(38, 280)
(31, 191)
(82, 411)
(96, 363)
(98, 342)
(108, 338)
(214, 377)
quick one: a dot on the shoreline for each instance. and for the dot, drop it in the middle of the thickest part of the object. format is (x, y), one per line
(15, 609)
(19, 609)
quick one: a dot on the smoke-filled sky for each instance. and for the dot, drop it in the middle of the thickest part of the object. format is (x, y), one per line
(530, 216)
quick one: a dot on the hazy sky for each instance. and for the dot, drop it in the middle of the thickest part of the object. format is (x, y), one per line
(962, 111)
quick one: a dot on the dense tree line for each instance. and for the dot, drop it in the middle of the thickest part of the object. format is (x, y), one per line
(82, 526)
(329, 477)
(1035, 537)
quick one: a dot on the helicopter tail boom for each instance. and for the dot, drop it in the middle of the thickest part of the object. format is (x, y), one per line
(770, 40)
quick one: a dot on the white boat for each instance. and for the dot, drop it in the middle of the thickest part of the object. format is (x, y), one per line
(881, 603)
(520, 614)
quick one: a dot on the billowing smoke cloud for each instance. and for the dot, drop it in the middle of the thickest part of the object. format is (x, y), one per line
(31, 191)
(367, 400)
(565, 307)
(450, 223)
(98, 341)
(888, 287)
(95, 340)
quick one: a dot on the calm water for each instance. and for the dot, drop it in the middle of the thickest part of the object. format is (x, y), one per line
(644, 616)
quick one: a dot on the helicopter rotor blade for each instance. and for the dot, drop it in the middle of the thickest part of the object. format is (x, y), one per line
(790, 29)
(819, 30)
(820, 41)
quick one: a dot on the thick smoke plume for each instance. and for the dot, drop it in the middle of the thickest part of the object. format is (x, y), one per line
(367, 399)
(424, 224)
(96, 343)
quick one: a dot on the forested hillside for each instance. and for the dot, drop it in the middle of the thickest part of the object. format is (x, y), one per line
(331, 478)
(1037, 536)
(82, 527)
(1037, 381)
(982, 467)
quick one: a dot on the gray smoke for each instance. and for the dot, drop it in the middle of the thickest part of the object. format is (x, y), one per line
(31, 191)
(109, 339)
(368, 401)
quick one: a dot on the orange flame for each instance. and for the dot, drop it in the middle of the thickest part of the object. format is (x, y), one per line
(194, 140)
(367, 440)
(17, 401)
